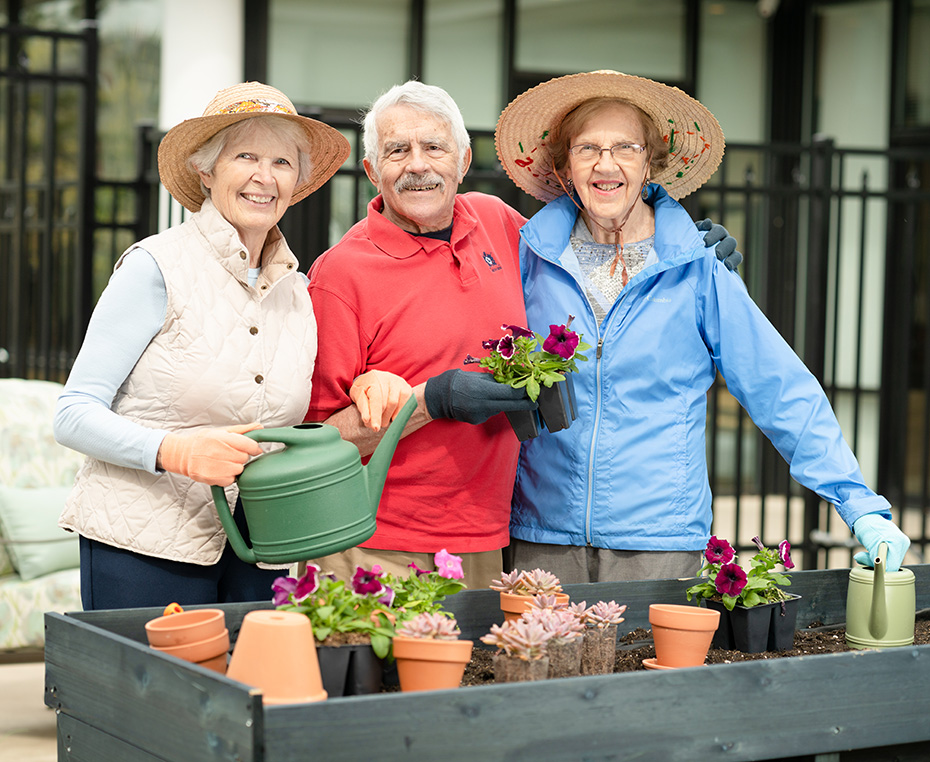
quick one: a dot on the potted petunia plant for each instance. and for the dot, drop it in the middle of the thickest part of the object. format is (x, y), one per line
(355, 621)
(756, 613)
(525, 360)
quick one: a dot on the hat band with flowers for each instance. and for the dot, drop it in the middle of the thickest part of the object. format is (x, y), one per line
(328, 148)
(693, 136)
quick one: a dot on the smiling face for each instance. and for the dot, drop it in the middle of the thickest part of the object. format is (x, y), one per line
(418, 169)
(252, 183)
(610, 188)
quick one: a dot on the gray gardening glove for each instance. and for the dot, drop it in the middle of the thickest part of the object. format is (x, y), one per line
(717, 235)
(472, 397)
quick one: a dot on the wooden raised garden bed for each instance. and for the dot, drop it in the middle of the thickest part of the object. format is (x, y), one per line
(120, 701)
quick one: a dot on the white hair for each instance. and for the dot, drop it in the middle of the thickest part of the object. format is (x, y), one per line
(426, 98)
(204, 158)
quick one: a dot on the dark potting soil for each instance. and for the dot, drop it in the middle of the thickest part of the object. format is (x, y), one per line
(637, 645)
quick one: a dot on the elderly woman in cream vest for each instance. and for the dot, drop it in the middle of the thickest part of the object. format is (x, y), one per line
(204, 332)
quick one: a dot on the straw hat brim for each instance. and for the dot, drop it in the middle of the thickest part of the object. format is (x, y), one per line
(694, 137)
(328, 151)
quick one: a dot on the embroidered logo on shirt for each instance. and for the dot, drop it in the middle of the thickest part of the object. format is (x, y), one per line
(491, 262)
(658, 299)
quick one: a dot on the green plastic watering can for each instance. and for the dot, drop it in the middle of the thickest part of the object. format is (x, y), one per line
(312, 498)
(880, 606)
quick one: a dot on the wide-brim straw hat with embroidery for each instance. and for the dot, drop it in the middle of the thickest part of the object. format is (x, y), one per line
(693, 135)
(328, 148)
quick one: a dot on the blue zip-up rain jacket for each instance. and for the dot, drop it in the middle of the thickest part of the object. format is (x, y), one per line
(630, 473)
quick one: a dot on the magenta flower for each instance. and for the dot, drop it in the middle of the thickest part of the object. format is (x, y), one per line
(731, 579)
(283, 587)
(719, 551)
(758, 543)
(367, 582)
(490, 344)
(309, 583)
(418, 570)
(388, 597)
(506, 347)
(784, 553)
(561, 341)
(448, 566)
(518, 331)
(470, 360)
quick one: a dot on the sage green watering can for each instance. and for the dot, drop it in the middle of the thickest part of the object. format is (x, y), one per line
(880, 606)
(312, 498)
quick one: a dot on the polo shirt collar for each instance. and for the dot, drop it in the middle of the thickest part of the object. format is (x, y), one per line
(399, 244)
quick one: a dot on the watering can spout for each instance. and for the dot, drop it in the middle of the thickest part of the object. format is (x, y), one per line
(377, 467)
(878, 616)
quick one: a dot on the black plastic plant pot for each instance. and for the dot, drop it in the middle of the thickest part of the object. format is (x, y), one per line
(557, 404)
(784, 621)
(751, 627)
(723, 638)
(525, 423)
(350, 670)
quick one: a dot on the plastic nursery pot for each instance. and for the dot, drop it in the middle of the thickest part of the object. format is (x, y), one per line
(351, 670)
(513, 669)
(557, 404)
(275, 652)
(201, 650)
(424, 664)
(513, 606)
(599, 650)
(185, 627)
(525, 423)
(682, 634)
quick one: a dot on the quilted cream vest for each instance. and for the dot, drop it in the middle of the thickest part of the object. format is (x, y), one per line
(227, 353)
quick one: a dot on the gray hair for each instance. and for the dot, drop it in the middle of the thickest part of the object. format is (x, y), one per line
(427, 98)
(204, 158)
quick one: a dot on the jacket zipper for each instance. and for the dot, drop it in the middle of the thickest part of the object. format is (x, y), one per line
(597, 422)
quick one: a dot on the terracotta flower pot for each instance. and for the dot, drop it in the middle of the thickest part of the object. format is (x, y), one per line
(599, 650)
(185, 627)
(275, 651)
(682, 634)
(513, 669)
(513, 606)
(424, 664)
(201, 650)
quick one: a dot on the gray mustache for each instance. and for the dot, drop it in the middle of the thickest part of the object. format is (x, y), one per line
(416, 182)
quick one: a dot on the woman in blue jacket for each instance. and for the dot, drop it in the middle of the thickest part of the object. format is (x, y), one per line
(623, 493)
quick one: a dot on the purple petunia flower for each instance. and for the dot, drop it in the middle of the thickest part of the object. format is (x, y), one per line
(283, 587)
(506, 347)
(309, 583)
(719, 551)
(387, 598)
(561, 341)
(469, 360)
(367, 582)
(449, 566)
(420, 572)
(518, 331)
(490, 344)
(758, 543)
(731, 580)
(784, 553)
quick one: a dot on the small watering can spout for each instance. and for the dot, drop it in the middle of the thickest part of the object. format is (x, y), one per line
(878, 616)
(377, 467)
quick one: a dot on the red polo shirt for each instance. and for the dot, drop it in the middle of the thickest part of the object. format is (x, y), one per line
(416, 306)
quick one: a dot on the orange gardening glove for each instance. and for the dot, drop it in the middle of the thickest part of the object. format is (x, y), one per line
(211, 456)
(379, 396)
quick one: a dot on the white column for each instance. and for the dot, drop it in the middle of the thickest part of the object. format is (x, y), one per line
(202, 51)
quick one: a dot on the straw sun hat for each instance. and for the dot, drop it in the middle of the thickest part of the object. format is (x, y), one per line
(329, 149)
(693, 135)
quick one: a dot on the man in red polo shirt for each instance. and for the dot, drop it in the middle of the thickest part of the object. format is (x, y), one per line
(413, 288)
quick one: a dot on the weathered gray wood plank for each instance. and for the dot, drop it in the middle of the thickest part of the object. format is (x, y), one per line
(173, 710)
(775, 709)
(80, 742)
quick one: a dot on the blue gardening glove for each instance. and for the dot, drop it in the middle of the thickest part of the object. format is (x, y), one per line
(718, 236)
(873, 529)
(472, 397)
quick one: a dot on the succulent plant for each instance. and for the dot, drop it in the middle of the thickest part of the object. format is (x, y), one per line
(604, 614)
(536, 582)
(562, 623)
(432, 626)
(525, 640)
(543, 601)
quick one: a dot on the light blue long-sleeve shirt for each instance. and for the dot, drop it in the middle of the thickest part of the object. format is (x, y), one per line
(130, 312)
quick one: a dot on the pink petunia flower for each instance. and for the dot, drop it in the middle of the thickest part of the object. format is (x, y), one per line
(448, 566)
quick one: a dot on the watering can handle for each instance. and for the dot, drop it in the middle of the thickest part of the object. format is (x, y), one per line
(229, 525)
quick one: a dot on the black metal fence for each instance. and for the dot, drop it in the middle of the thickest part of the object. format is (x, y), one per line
(837, 246)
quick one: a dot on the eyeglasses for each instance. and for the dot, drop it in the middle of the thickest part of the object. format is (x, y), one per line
(619, 151)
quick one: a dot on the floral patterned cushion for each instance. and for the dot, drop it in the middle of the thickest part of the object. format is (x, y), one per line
(31, 458)
(23, 606)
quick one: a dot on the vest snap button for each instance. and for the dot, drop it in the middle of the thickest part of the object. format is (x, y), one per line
(241, 255)
(253, 330)
(259, 379)
(264, 286)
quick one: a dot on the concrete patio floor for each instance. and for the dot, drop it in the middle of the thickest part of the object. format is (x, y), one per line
(27, 726)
